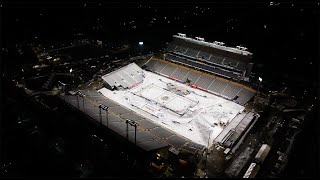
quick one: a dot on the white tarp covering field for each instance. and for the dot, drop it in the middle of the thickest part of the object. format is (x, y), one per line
(190, 112)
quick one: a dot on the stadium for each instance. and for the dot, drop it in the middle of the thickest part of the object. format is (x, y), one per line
(194, 97)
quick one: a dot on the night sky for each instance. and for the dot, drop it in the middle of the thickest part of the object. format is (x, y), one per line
(286, 34)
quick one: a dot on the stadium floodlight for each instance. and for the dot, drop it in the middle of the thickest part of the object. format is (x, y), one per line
(141, 44)
(79, 93)
(242, 48)
(260, 79)
(134, 124)
(182, 35)
(199, 38)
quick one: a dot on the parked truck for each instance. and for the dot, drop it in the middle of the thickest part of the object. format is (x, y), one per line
(262, 153)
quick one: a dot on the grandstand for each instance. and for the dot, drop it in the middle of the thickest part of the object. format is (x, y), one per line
(214, 58)
(127, 77)
(228, 89)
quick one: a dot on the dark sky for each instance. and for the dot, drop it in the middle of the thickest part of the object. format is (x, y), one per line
(285, 34)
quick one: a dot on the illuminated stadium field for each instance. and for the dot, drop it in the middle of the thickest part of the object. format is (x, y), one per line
(187, 111)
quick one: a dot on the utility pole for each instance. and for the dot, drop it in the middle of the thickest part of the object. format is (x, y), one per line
(83, 102)
(100, 114)
(135, 134)
(107, 114)
(127, 121)
(78, 101)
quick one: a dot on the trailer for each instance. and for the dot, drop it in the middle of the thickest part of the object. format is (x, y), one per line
(252, 171)
(262, 153)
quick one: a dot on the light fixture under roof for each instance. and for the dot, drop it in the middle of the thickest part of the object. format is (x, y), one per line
(182, 35)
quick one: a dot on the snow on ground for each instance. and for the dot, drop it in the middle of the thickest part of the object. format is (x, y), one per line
(193, 114)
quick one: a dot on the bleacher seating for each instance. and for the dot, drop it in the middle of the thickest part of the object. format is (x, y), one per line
(204, 55)
(230, 62)
(181, 49)
(150, 65)
(168, 70)
(135, 73)
(159, 66)
(216, 85)
(244, 96)
(208, 59)
(193, 76)
(171, 47)
(218, 57)
(204, 81)
(192, 52)
(231, 91)
(202, 66)
(179, 73)
(170, 56)
(126, 76)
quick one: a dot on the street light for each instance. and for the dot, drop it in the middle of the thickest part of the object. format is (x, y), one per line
(100, 113)
(141, 44)
(260, 80)
(107, 114)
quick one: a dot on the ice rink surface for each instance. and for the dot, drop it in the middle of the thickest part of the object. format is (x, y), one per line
(190, 112)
